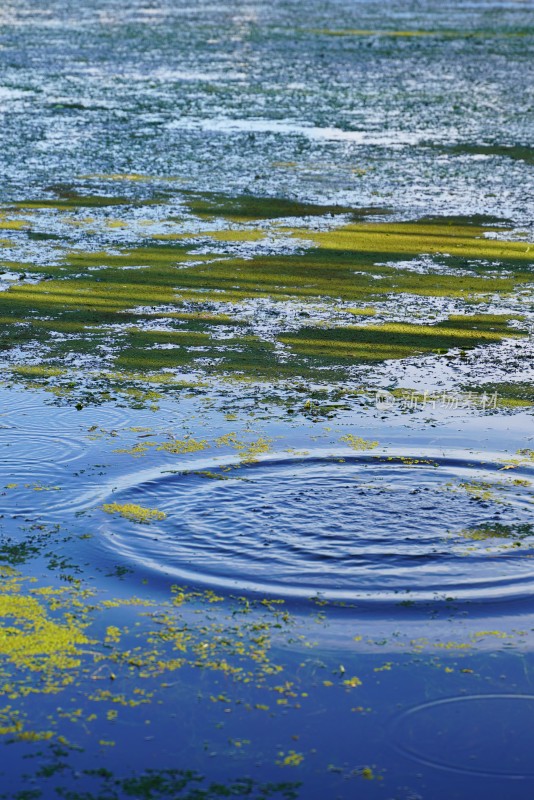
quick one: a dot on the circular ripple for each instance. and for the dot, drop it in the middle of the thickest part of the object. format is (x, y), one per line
(367, 528)
(24, 447)
(487, 735)
(59, 419)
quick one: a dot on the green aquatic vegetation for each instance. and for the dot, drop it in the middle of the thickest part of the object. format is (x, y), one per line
(163, 784)
(214, 476)
(181, 446)
(362, 312)
(494, 634)
(136, 450)
(358, 443)
(162, 318)
(352, 683)
(28, 543)
(432, 236)
(7, 223)
(480, 490)
(133, 512)
(129, 176)
(498, 530)
(69, 199)
(290, 759)
(247, 208)
(248, 451)
(514, 152)
(507, 395)
(47, 646)
(35, 640)
(231, 235)
(354, 343)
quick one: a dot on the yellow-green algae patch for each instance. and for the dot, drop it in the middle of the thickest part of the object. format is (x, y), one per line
(354, 343)
(181, 446)
(34, 638)
(133, 512)
(168, 315)
(140, 650)
(358, 443)
(248, 451)
(233, 235)
(432, 236)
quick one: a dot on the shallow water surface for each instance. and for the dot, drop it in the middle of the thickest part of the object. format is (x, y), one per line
(266, 440)
(347, 527)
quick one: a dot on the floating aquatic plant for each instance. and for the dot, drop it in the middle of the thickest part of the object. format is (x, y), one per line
(134, 512)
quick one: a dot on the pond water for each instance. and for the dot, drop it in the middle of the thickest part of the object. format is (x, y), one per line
(266, 438)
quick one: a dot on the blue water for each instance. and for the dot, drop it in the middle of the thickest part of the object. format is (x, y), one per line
(348, 622)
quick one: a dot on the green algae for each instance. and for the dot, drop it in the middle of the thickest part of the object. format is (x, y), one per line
(431, 236)
(35, 639)
(248, 235)
(70, 199)
(126, 670)
(246, 208)
(357, 442)
(163, 317)
(497, 530)
(395, 341)
(512, 395)
(133, 512)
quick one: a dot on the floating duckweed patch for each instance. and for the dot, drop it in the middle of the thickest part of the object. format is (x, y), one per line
(34, 638)
(520, 394)
(479, 490)
(134, 512)
(357, 442)
(248, 451)
(181, 446)
(290, 759)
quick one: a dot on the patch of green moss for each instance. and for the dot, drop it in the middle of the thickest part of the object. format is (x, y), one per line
(69, 199)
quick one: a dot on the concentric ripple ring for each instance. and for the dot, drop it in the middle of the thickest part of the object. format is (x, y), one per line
(350, 527)
(485, 735)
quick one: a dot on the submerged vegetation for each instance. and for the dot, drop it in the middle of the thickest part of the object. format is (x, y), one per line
(253, 297)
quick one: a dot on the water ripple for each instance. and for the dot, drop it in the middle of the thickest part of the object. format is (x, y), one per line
(353, 528)
(27, 448)
(486, 735)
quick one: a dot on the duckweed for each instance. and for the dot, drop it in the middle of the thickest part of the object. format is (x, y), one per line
(134, 512)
